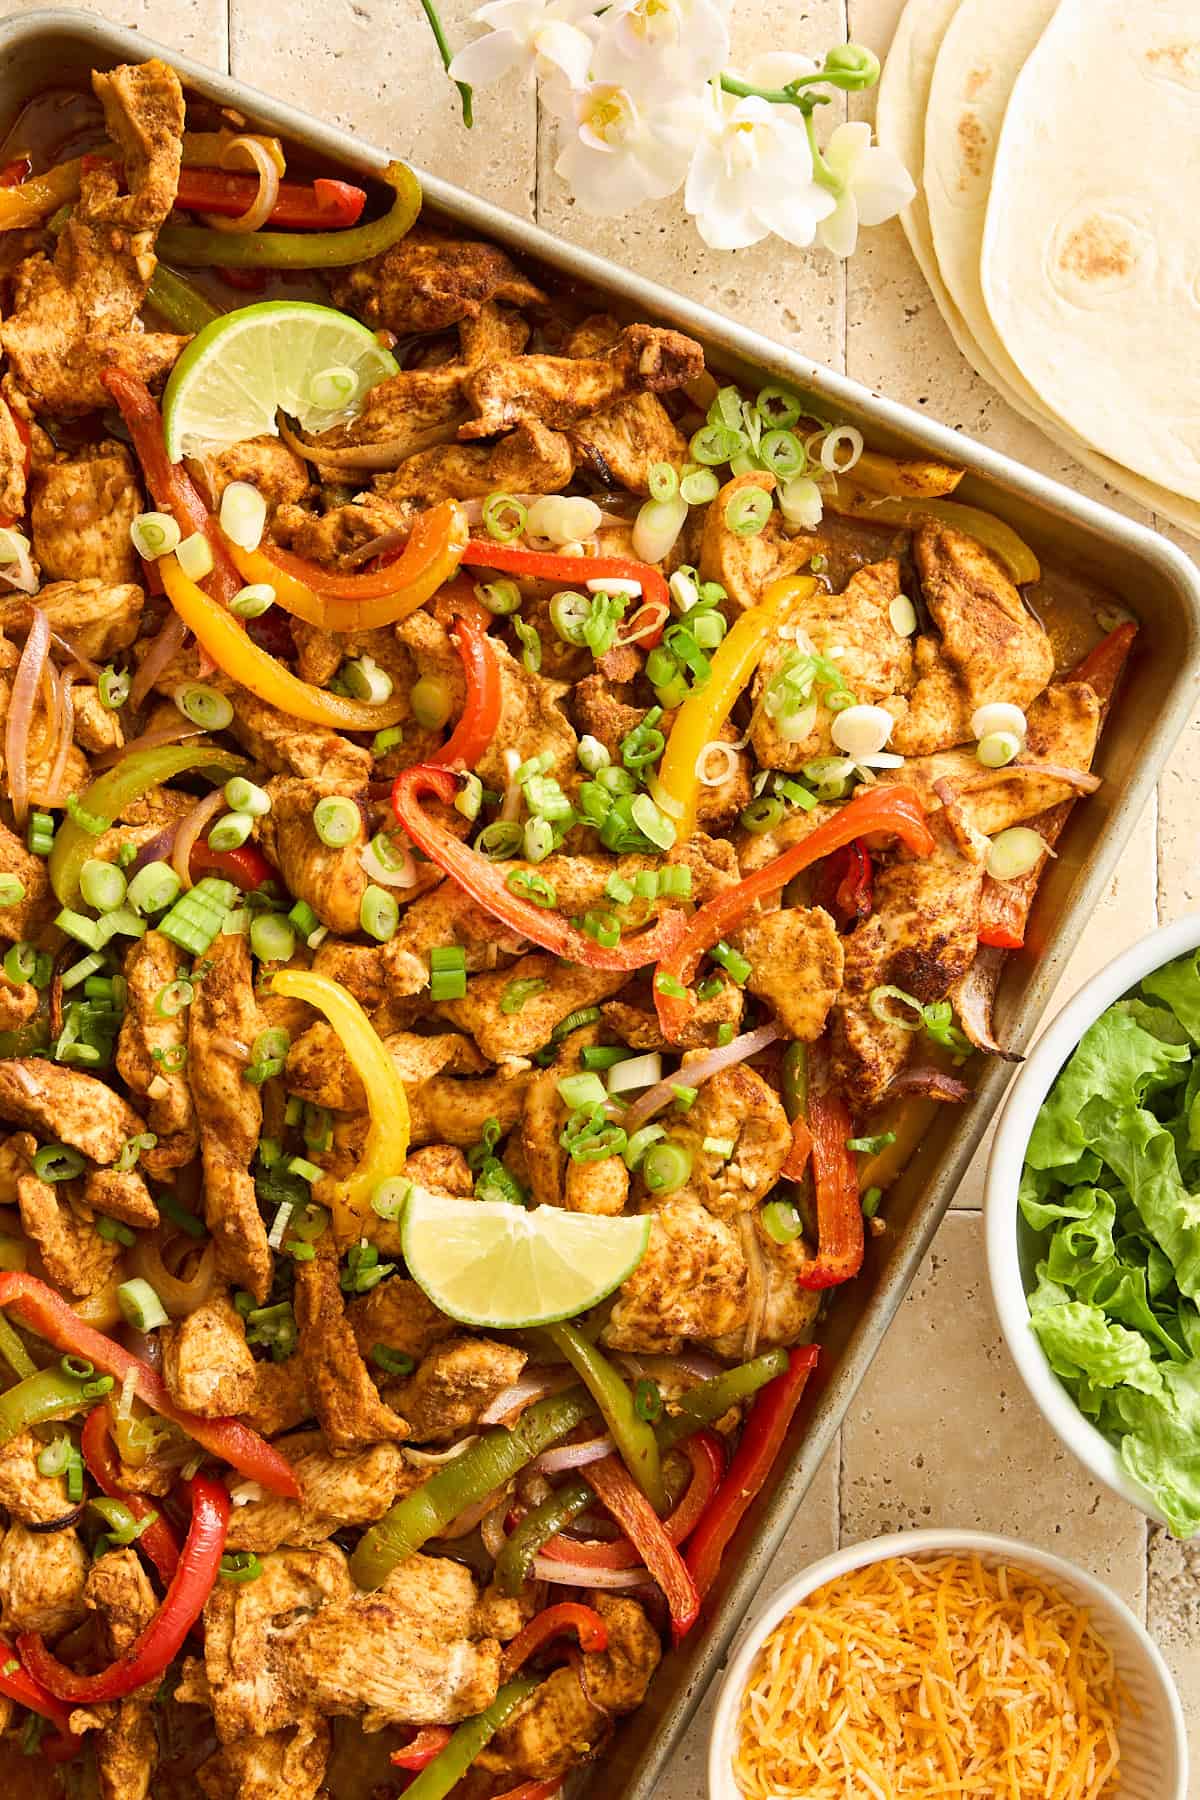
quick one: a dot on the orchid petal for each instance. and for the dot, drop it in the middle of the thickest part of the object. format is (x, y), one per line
(487, 59)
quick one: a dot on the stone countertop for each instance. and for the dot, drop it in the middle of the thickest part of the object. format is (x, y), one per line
(916, 1449)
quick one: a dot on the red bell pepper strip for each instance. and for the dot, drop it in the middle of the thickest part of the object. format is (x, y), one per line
(161, 1641)
(761, 1441)
(802, 1144)
(846, 885)
(1101, 667)
(706, 1454)
(170, 485)
(485, 883)
(47, 1313)
(429, 1742)
(21, 1686)
(543, 565)
(534, 1790)
(14, 172)
(893, 809)
(245, 866)
(157, 1539)
(322, 205)
(568, 1615)
(841, 1237)
(481, 714)
(628, 1505)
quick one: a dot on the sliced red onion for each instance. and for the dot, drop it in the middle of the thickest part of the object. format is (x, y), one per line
(537, 1384)
(65, 723)
(157, 850)
(696, 1073)
(91, 670)
(471, 1516)
(1082, 779)
(935, 1084)
(166, 645)
(973, 1002)
(586, 1575)
(434, 1459)
(189, 829)
(18, 570)
(20, 711)
(491, 1526)
(149, 740)
(263, 203)
(756, 1284)
(574, 1456)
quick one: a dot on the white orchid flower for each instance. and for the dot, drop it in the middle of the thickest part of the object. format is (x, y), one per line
(775, 68)
(873, 186)
(544, 38)
(623, 148)
(752, 175)
(639, 42)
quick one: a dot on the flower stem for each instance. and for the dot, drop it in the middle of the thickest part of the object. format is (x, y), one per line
(822, 172)
(788, 96)
(447, 55)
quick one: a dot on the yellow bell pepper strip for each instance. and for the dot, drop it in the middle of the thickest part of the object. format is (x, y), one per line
(29, 202)
(220, 634)
(431, 557)
(195, 247)
(843, 496)
(904, 477)
(699, 720)
(349, 1199)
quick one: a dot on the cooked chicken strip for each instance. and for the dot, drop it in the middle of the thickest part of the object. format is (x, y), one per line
(206, 1361)
(453, 1384)
(745, 566)
(25, 1493)
(151, 965)
(344, 1398)
(76, 1258)
(564, 987)
(560, 389)
(96, 617)
(397, 1314)
(32, 912)
(426, 282)
(82, 509)
(42, 1578)
(796, 961)
(737, 1107)
(530, 460)
(262, 1768)
(622, 444)
(67, 1106)
(337, 1491)
(690, 1284)
(126, 1745)
(331, 880)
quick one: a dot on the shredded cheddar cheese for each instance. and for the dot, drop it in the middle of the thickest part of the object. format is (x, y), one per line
(942, 1678)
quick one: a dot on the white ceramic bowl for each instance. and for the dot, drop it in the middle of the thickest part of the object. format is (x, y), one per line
(1010, 1245)
(1154, 1762)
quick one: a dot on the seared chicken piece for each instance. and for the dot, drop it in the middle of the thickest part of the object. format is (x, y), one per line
(332, 881)
(453, 1384)
(408, 412)
(76, 1258)
(570, 1714)
(600, 711)
(12, 465)
(280, 476)
(41, 1580)
(789, 1312)
(564, 987)
(344, 1398)
(735, 1106)
(96, 727)
(18, 1003)
(426, 282)
(120, 1194)
(250, 1631)
(796, 959)
(262, 1768)
(82, 509)
(446, 1111)
(319, 1070)
(441, 1167)
(75, 316)
(206, 1361)
(921, 936)
(126, 1744)
(560, 389)
(530, 460)
(397, 1314)
(622, 444)
(65, 1106)
(745, 566)
(548, 1167)
(854, 630)
(327, 537)
(638, 1026)
(418, 1649)
(990, 646)
(25, 1493)
(148, 1048)
(280, 1399)
(337, 1491)
(229, 1109)
(97, 618)
(691, 1283)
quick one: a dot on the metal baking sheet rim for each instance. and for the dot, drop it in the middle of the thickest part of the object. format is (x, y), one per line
(1052, 503)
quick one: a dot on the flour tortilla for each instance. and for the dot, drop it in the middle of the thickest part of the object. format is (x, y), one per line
(1091, 245)
(904, 93)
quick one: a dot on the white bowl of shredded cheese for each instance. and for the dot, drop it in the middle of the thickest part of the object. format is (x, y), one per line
(949, 1663)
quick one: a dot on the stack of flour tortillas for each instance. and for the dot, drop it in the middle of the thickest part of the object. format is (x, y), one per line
(1056, 150)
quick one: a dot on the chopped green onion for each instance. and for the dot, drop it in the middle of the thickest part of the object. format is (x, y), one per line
(938, 1019)
(516, 993)
(666, 1166)
(468, 801)
(154, 886)
(528, 885)
(448, 972)
(715, 444)
(307, 1171)
(662, 481)
(140, 1305)
(231, 831)
(80, 927)
(878, 1000)
(379, 914)
(644, 744)
(685, 1096)
(747, 511)
(575, 1021)
(538, 840)
(736, 966)
(499, 597)
(304, 918)
(871, 1146)
(639, 1143)
(569, 614)
(761, 815)
(431, 701)
(52, 1461)
(392, 1362)
(389, 1198)
(363, 679)
(113, 689)
(582, 1090)
(618, 889)
(95, 824)
(604, 1056)
(20, 963)
(670, 985)
(194, 555)
(592, 754)
(113, 1232)
(603, 926)
(724, 1034)
(503, 517)
(500, 840)
(698, 487)
(272, 938)
(40, 836)
(243, 515)
(253, 601)
(204, 706)
(1014, 853)
(387, 740)
(240, 1566)
(777, 406)
(173, 997)
(531, 645)
(675, 881)
(336, 821)
(154, 534)
(590, 1136)
(57, 1162)
(781, 1221)
(870, 1202)
(243, 796)
(708, 628)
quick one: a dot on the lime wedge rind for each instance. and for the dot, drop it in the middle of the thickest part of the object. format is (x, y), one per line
(245, 367)
(501, 1267)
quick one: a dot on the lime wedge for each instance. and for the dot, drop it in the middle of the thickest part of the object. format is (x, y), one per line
(235, 375)
(488, 1263)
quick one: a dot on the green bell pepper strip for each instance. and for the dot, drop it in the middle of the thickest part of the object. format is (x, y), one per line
(495, 1459)
(634, 1438)
(196, 247)
(448, 1768)
(119, 787)
(50, 1394)
(701, 1406)
(181, 304)
(14, 1352)
(795, 1079)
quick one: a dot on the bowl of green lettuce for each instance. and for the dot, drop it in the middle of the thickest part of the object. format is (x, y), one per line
(1092, 1216)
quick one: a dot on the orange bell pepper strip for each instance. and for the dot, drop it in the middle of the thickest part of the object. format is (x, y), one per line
(699, 720)
(611, 1481)
(349, 1198)
(797, 1157)
(893, 809)
(222, 636)
(485, 696)
(841, 1239)
(362, 602)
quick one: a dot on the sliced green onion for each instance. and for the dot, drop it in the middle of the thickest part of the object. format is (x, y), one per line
(715, 444)
(102, 885)
(503, 518)
(95, 824)
(431, 702)
(40, 837)
(531, 645)
(57, 1162)
(20, 963)
(1015, 852)
(244, 796)
(685, 1097)
(447, 972)
(640, 1142)
(747, 511)
(253, 601)
(240, 1566)
(231, 831)
(669, 985)
(154, 886)
(530, 886)
(998, 749)
(204, 706)
(708, 628)
(499, 597)
(500, 840)
(52, 1461)
(604, 1056)
(736, 966)
(903, 616)
(645, 743)
(666, 1166)
(777, 406)
(880, 999)
(618, 889)
(592, 754)
(604, 927)
(387, 740)
(272, 938)
(140, 1305)
(516, 993)
(154, 534)
(390, 1197)
(468, 801)
(662, 481)
(761, 815)
(336, 821)
(379, 914)
(782, 452)
(582, 1090)
(113, 689)
(870, 1202)
(871, 1146)
(724, 1034)
(575, 1021)
(173, 997)
(698, 487)
(392, 1362)
(569, 614)
(630, 1072)
(538, 840)
(195, 557)
(363, 679)
(77, 925)
(781, 1221)
(243, 515)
